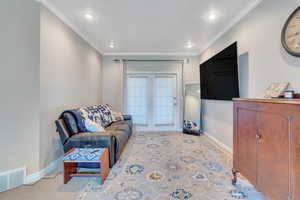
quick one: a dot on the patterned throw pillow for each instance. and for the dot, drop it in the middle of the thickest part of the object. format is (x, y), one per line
(105, 113)
(92, 113)
(117, 116)
(92, 119)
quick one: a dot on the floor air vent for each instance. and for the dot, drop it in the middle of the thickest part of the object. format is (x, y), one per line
(12, 179)
(3, 183)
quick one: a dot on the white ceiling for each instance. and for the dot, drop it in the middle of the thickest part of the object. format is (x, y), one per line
(148, 27)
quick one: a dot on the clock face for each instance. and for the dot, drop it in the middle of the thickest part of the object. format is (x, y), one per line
(291, 34)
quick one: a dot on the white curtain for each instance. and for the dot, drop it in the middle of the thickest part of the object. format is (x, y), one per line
(137, 98)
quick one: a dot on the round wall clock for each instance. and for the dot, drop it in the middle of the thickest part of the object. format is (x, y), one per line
(290, 36)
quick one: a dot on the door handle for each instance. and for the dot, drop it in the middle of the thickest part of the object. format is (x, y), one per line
(175, 101)
(258, 135)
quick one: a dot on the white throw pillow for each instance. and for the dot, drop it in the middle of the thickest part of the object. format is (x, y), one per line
(117, 116)
(93, 127)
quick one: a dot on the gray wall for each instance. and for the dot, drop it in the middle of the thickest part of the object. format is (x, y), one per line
(70, 76)
(262, 61)
(19, 84)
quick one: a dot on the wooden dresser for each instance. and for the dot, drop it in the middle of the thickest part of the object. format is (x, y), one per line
(267, 146)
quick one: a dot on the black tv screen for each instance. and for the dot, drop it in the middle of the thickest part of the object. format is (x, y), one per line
(219, 75)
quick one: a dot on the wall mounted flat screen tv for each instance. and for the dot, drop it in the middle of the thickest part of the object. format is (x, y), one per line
(219, 75)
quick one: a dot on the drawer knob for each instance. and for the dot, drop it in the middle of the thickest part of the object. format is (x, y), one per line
(258, 136)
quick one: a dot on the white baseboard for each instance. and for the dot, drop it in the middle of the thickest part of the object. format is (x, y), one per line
(219, 143)
(32, 178)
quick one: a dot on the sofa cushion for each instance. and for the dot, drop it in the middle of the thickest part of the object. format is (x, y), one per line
(118, 126)
(88, 135)
(87, 139)
(70, 123)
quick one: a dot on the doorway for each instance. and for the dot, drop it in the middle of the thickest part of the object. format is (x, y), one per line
(153, 100)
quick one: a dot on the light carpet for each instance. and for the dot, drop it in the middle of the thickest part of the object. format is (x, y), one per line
(170, 166)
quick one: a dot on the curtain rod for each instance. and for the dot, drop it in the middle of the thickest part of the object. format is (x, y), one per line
(132, 60)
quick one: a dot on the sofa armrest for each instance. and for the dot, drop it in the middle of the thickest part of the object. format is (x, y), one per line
(62, 129)
(127, 117)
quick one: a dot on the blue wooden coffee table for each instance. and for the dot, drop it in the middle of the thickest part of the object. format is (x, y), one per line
(86, 156)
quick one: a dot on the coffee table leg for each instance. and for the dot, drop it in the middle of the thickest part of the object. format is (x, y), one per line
(104, 165)
(69, 168)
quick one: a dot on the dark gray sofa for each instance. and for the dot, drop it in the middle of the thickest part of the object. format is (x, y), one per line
(114, 138)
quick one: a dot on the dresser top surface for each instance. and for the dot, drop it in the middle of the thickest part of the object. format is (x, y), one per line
(275, 100)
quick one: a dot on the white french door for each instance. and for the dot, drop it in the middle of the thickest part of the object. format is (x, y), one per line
(152, 101)
(164, 100)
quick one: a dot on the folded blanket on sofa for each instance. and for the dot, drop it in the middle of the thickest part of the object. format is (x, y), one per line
(90, 119)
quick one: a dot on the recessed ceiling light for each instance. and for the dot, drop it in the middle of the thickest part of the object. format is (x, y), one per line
(212, 16)
(111, 45)
(89, 16)
(189, 45)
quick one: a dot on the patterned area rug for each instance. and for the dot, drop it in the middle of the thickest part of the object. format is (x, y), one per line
(170, 166)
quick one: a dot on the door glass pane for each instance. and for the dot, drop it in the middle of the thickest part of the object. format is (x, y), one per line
(164, 100)
(137, 99)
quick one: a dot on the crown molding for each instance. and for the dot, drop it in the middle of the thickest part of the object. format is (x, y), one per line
(152, 54)
(235, 21)
(71, 25)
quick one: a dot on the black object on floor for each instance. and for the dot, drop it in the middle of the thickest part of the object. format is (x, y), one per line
(192, 132)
